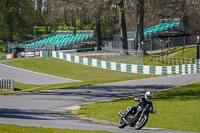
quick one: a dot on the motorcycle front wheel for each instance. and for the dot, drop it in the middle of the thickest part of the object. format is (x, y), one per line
(140, 124)
(122, 123)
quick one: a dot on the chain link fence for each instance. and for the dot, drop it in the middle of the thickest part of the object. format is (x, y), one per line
(122, 56)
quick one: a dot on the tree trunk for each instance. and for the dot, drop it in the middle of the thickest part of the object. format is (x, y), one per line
(98, 34)
(47, 27)
(51, 26)
(74, 25)
(123, 26)
(39, 6)
(81, 22)
(10, 27)
(140, 25)
(10, 36)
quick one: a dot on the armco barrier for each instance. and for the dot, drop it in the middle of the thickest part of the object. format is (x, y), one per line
(45, 53)
(7, 84)
(3, 57)
(142, 69)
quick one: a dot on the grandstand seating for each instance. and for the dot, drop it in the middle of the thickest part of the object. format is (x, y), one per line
(159, 28)
(58, 40)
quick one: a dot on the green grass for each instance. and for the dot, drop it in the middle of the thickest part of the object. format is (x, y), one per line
(19, 87)
(89, 75)
(22, 129)
(2, 54)
(188, 53)
(148, 61)
(177, 109)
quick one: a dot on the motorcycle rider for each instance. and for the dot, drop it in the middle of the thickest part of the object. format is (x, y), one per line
(142, 103)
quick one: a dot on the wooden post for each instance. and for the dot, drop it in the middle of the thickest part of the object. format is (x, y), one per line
(169, 43)
(170, 59)
(166, 60)
(174, 61)
(184, 44)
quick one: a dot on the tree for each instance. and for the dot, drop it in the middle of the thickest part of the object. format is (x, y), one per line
(140, 25)
(95, 11)
(15, 15)
(123, 24)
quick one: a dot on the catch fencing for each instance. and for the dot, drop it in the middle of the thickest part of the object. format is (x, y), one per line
(122, 56)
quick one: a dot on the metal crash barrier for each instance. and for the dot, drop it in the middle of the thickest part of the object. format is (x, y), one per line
(7, 84)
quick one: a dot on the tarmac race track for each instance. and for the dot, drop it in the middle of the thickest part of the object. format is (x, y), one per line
(30, 77)
(38, 109)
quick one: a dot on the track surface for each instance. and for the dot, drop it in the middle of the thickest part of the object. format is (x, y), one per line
(30, 77)
(37, 109)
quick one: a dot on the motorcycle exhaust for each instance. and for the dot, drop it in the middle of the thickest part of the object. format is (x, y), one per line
(121, 116)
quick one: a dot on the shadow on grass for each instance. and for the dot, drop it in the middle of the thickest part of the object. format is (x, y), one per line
(17, 89)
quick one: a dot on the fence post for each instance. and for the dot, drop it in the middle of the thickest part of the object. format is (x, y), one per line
(198, 65)
(174, 61)
(170, 59)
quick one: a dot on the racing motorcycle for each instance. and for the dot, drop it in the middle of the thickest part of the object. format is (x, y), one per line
(135, 119)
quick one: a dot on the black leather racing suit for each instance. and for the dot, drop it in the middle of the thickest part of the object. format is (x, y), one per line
(142, 103)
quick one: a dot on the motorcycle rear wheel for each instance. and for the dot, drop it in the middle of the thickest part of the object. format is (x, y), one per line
(140, 124)
(122, 123)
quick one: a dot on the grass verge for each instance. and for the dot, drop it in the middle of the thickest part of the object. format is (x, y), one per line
(22, 129)
(177, 109)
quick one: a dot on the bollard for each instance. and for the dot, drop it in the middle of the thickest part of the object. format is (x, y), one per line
(92, 114)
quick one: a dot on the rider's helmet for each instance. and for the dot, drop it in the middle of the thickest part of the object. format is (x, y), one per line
(148, 96)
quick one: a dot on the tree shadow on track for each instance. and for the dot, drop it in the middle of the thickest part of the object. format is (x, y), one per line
(102, 91)
(24, 114)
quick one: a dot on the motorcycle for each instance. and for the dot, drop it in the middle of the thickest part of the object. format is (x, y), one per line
(135, 119)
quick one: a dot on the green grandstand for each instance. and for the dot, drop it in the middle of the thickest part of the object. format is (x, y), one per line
(58, 40)
(162, 27)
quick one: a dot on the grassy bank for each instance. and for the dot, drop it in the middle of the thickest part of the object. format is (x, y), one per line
(177, 109)
(22, 129)
(89, 75)
(177, 52)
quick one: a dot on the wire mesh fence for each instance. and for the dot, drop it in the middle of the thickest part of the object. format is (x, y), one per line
(122, 56)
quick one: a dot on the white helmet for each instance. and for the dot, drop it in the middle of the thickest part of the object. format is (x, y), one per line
(148, 96)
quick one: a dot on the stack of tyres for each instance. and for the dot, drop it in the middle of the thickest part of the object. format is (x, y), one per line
(7, 84)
